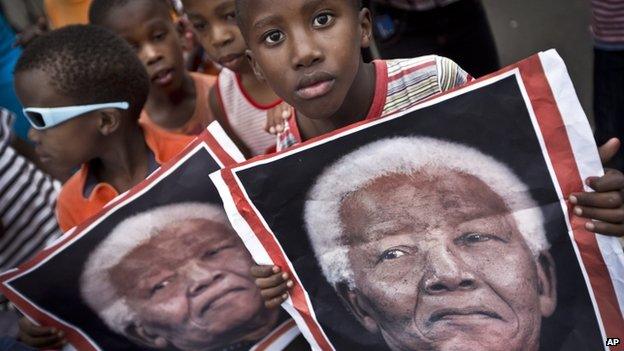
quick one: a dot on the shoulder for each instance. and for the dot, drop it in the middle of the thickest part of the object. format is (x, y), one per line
(70, 201)
(443, 71)
(205, 80)
(164, 144)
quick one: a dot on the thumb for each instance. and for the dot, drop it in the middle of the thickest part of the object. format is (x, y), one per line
(608, 150)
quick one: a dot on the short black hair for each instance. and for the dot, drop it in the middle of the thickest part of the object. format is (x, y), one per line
(89, 65)
(241, 14)
(99, 9)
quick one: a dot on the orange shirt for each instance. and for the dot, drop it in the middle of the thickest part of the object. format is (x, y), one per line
(61, 13)
(72, 208)
(202, 116)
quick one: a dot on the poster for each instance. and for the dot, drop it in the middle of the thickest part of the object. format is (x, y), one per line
(444, 227)
(159, 268)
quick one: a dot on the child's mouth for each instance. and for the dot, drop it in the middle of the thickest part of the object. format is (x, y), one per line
(230, 61)
(316, 89)
(163, 77)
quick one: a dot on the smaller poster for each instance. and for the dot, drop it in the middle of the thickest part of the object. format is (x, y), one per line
(160, 268)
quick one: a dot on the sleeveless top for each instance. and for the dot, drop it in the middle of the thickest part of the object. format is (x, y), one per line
(245, 117)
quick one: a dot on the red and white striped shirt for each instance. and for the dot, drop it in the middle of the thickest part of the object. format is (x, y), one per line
(419, 5)
(400, 84)
(245, 116)
(608, 21)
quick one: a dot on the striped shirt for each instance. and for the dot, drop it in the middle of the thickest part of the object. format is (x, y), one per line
(608, 21)
(400, 85)
(27, 200)
(245, 117)
(417, 5)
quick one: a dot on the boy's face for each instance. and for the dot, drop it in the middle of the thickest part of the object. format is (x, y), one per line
(214, 24)
(307, 50)
(66, 145)
(148, 27)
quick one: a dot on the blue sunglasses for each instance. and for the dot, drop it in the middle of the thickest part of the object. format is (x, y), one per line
(43, 118)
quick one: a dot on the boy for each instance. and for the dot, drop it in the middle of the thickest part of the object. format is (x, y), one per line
(177, 102)
(83, 89)
(309, 53)
(239, 98)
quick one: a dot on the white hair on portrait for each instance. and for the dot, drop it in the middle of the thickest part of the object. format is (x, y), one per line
(96, 287)
(407, 155)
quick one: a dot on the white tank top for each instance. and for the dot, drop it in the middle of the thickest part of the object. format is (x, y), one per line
(246, 117)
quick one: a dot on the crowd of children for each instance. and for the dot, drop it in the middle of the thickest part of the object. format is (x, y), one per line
(113, 99)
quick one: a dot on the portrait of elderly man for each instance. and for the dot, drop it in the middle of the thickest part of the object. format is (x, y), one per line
(177, 277)
(433, 245)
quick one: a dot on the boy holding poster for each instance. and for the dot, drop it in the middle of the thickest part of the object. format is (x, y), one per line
(84, 89)
(309, 53)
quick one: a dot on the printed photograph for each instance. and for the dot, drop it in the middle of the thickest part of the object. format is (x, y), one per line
(407, 234)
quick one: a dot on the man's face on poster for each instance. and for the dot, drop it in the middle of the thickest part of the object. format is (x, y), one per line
(190, 285)
(439, 264)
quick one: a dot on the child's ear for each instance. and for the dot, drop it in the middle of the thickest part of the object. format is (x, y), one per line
(254, 65)
(109, 121)
(366, 26)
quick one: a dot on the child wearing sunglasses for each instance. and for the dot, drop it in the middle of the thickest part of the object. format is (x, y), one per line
(83, 89)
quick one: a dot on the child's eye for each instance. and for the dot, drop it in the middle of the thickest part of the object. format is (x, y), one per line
(200, 26)
(159, 36)
(273, 37)
(322, 20)
(230, 16)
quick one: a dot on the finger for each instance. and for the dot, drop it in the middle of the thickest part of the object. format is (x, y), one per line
(613, 180)
(272, 281)
(31, 329)
(601, 214)
(608, 150)
(612, 199)
(605, 228)
(286, 113)
(263, 271)
(42, 341)
(276, 302)
(277, 291)
(272, 130)
(279, 128)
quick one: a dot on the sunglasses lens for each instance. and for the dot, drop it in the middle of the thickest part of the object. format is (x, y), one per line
(35, 118)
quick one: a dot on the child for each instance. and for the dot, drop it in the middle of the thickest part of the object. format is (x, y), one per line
(178, 100)
(239, 99)
(83, 89)
(310, 55)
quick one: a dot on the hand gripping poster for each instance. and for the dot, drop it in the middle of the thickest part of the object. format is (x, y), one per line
(160, 268)
(443, 227)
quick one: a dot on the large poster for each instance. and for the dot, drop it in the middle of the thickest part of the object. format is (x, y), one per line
(159, 268)
(445, 227)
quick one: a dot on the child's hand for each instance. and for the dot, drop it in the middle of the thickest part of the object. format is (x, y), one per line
(273, 284)
(606, 206)
(40, 337)
(277, 117)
